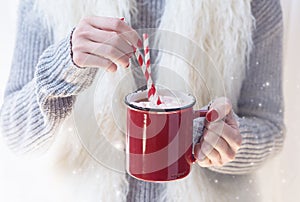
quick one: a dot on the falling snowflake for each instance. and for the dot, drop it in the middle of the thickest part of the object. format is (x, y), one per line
(118, 145)
(259, 104)
(216, 181)
(237, 198)
(264, 85)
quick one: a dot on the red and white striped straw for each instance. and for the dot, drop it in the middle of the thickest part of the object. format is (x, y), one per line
(139, 57)
(147, 60)
(140, 60)
(152, 93)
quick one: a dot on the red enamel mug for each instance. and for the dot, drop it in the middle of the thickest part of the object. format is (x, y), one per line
(159, 140)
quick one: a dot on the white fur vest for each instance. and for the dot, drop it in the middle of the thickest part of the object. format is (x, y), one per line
(203, 44)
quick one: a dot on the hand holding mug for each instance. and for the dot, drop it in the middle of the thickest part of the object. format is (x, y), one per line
(221, 137)
(103, 42)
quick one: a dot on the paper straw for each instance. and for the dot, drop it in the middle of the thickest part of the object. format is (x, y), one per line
(140, 60)
(152, 93)
(139, 57)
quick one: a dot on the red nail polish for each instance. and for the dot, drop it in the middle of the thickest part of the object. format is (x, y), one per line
(128, 65)
(122, 19)
(140, 43)
(212, 115)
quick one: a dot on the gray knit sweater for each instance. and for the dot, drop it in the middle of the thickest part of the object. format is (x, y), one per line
(37, 92)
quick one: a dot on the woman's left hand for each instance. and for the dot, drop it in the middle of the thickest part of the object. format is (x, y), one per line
(221, 137)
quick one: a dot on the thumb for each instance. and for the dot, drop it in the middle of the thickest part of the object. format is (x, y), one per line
(219, 108)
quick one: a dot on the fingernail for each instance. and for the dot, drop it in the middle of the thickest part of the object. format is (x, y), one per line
(122, 19)
(128, 65)
(212, 115)
(140, 43)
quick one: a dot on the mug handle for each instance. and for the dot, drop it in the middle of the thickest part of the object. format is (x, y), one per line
(197, 114)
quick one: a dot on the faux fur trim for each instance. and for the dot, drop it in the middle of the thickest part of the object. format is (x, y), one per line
(202, 43)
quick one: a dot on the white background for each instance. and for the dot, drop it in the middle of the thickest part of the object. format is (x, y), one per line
(280, 179)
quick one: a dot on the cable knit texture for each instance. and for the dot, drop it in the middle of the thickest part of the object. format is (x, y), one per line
(44, 82)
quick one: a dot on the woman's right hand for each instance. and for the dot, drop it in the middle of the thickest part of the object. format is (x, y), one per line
(103, 42)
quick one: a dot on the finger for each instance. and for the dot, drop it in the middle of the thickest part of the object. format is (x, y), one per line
(103, 50)
(215, 158)
(202, 160)
(117, 25)
(231, 121)
(231, 135)
(110, 38)
(218, 143)
(206, 150)
(89, 60)
(205, 163)
(211, 153)
(199, 155)
(218, 109)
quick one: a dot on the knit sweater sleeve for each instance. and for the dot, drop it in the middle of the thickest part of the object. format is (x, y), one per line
(42, 86)
(260, 106)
